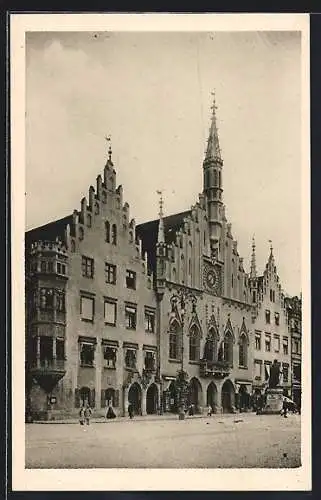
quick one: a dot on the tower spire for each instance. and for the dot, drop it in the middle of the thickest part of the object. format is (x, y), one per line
(108, 140)
(212, 170)
(161, 233)
(213, 150)
(253, 260)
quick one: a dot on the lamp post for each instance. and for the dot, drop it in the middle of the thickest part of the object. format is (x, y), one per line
(178, 302)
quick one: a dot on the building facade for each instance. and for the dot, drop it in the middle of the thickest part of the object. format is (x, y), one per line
(294, 309)
(117, 312)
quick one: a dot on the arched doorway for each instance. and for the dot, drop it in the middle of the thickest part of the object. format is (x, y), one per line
(211, 395)
(244, 402)
(172, 397)
(195, 392)
(151, 399)
(228, 397)
(135, 398)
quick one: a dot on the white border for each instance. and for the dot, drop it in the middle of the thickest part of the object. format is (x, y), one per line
(145, 479)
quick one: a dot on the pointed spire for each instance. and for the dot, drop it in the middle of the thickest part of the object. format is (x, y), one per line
(213, 150)
(161, 233)
(253, 260)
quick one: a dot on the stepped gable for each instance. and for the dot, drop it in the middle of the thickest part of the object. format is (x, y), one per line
(148, 233)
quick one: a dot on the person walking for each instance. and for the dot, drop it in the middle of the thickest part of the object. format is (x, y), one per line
(110, 411)
(285, 408)
(209, 411)
(130, 411)
(82, 416)
(88, 414)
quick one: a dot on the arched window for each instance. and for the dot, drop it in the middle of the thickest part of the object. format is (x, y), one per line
(194, 344)
(96, 208)
(81, 233)
(131, 238)
(114, 234)
(107, 231)
(211, 346)
(243, 351)
(228, 348)
(219, 179)
(174, 274)
(174, 340)
(182, 274)
(88, 220)
(215, 178)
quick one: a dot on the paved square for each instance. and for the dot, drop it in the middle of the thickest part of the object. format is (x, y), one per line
(244, 440)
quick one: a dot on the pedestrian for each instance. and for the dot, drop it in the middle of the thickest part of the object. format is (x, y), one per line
(110, 411)
(209, 411)
(82, 415)
(88, 413)
(130, 411)
(285, 407)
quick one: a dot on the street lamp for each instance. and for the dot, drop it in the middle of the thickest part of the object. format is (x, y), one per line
(178, 302)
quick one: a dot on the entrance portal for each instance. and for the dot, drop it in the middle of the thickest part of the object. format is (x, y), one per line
(244, 398)
(151, 399)
(135, 398)
(228, 397)
(211, 395)
(195, 391)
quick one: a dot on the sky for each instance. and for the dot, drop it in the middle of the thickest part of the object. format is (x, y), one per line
(152, 93)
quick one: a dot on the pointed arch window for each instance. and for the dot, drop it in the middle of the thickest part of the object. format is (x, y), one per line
(194, 344)
(211, 346)
(107, 232)
(174, 340)
(114, 234)
(228, 348)
(219, 179)
(243, 351)
(174, 274)
(215, 178)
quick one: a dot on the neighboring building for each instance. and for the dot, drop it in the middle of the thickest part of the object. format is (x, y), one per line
(294, 310)
(115, 312)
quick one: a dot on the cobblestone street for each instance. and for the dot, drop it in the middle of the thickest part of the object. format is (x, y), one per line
(243, 440)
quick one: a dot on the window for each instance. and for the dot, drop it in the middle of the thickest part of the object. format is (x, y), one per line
(60, 349)
(272, 295)
(211, 344)
(87, 266)
(110, 312)
(149, 321)
(104, 196)
(131, 279)
(43, 266)
(257, 369)
(110, 273)
(46, 298)
(228, 348)
(268, 343)
(50, 267)
(87, 353)
(253, 297)
(114, 234)
(267, 316)
(296, 347)
(285, 373)
(130, 358)
(96, 208)
(297, 373)
(87, 308)
(149, 361)
(88, 220)
(130, 316)
(258, 341)
(232, 280)
(107, 232)
(276, 341)
(46, 349)
(60, 300)
(277, 319)
(194, 344)
(243, 351)
(81, 233)
(285, 345)
(110, 357)
(173, 341)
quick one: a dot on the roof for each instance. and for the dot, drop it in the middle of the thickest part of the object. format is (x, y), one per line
(148, 233)
(49, 232)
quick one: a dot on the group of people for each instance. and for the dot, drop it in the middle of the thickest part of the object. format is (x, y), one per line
(85, 413)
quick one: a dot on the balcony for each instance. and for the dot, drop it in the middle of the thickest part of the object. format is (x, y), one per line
(48, 372)
(216, 369)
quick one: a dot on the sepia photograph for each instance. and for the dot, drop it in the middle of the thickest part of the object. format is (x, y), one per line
(165, 217)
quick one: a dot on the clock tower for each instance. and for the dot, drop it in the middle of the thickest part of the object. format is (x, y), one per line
(212, 170)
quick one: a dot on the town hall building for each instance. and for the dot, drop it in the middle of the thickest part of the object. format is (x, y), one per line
(162, 315)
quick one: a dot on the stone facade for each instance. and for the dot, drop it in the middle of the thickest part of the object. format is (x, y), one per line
(115, 312)
(294, 310)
